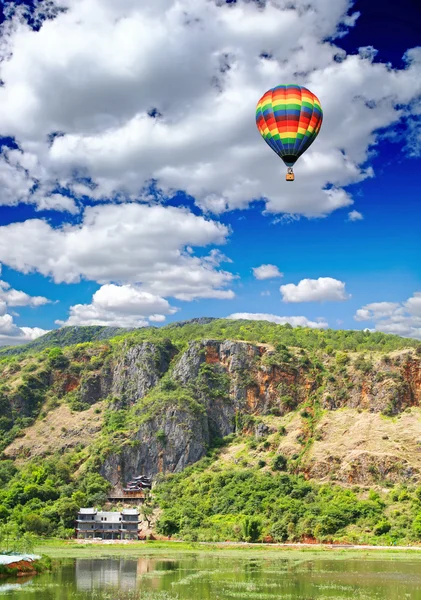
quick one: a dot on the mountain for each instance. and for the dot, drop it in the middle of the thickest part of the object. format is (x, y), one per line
(66, 336)
(222, 409)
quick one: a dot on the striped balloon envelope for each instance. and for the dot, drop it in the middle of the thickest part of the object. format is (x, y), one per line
(289, 118)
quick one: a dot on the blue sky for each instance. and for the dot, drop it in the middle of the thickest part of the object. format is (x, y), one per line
(85, 238)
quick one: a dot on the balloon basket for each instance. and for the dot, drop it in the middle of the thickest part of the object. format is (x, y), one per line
(290, 175)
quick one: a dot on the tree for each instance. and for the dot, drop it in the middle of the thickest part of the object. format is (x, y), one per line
(416, 526)
(147, 508)
(252, 528)
(36, 524)
(168, 524)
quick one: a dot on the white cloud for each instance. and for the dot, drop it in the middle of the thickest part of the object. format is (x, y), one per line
(94, 72)
(267, 272)
(12, 297)
(294, 321)
(402, 319)
(128, 299)
(157, 318)
(128, 243)
(22, 179)
(11, 334)
(413, 305)
(377, 310)
(354, 215)
(121, 306)
(315, 290)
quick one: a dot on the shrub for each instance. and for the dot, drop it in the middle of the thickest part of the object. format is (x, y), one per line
(279, 463)
(342, 358)
(416, 526)
(288, 402)
(161, 437)
(382, 527)
(57, 360)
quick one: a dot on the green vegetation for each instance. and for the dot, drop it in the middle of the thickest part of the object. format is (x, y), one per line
(43, 497)
(209, 502)
(66, 336)
(283, 335)
(219, 329)
(263, 494)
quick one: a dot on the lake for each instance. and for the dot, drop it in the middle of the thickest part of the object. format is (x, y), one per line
(190, 577)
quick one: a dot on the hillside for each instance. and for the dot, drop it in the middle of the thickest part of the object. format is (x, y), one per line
(240, 409)
(66, 336)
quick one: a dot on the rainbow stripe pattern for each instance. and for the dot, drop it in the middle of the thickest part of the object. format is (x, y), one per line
(289, 118)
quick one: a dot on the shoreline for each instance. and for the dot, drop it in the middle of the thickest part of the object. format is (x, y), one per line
(60, 549)
(331, 546)
(19, 568)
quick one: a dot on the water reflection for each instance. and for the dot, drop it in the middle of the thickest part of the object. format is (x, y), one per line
(10, 587)
(122, 574)
(222, 578)
(102, 574)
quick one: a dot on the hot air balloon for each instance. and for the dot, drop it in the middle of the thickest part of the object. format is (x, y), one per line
(289, 118)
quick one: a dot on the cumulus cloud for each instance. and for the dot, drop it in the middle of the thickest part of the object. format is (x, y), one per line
(10, 333)
(126, 92)
(121, 306)
(294, 321)
(354, 215)
(267, 272)
(127, 243)
(315, 290)
(22, 179)
(11, 297)
(377, 310)
(402, 319)
(413, 305)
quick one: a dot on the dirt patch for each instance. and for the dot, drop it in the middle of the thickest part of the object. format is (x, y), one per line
(61, 430)
(364, 447)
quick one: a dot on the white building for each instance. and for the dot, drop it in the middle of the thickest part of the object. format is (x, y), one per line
(92, 523)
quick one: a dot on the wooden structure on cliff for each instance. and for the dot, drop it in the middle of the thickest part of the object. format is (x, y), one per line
(134, 492)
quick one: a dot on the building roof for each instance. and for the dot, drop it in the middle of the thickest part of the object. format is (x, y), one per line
(87, 511)
(130, 511)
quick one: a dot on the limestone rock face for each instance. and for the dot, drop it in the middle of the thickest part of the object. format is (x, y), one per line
(230, 379)
(139, 369)
(163, 408)
(167, 443)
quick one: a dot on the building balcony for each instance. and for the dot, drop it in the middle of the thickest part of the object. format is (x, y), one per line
(130, 522)
(88, 522)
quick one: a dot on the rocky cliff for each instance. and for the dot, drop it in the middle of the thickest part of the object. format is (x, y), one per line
(157, 406)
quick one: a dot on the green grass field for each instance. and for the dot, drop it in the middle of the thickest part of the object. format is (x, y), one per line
(58, 549)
